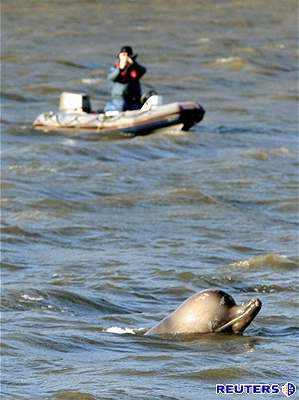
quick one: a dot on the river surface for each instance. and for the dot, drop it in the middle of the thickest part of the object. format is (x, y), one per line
(104, 236)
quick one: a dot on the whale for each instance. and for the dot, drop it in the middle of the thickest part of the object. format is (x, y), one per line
(208, 311)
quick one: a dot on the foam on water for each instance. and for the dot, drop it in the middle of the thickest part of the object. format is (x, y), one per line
(123, 331)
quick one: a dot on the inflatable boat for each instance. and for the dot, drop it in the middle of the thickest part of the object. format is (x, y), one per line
(75, 113)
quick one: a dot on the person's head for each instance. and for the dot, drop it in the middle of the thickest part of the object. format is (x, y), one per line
(126, 49)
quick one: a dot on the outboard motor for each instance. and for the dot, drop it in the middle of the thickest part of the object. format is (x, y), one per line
(151, 100)
(74, 103)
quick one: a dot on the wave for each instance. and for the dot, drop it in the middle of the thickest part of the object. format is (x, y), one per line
(184, 195)
(73, 395)
(92, 81)
(230, 63)
(71, 64)
(266, 289)
(30, 299)
(42, 89)
(190, 195)
(286, 97)
(239, 63)
(267, 260)
(18, 231)
(60, 301)
(265, 154)
(220, 374)
(5, 265)
(249, 129)
(15, 97)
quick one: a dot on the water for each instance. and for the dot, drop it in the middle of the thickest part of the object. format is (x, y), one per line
(103, 237)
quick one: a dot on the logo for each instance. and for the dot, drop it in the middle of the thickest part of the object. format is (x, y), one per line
(288, 389)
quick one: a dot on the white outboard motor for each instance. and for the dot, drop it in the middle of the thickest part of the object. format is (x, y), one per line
(152, 102)
(74, 103)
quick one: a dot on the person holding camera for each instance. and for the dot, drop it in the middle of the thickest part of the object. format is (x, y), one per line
(126, 88)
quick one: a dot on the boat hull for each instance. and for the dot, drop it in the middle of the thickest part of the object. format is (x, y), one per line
(134, 122)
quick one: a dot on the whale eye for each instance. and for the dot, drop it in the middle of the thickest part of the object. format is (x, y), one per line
(229, 300)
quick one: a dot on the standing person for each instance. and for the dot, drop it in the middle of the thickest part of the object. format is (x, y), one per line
(125, 75)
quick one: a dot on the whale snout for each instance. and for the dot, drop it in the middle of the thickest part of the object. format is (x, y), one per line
(258, 303)
(247, 312)
(253, 305)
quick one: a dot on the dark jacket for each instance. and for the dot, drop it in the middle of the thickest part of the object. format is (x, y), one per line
(126, 89)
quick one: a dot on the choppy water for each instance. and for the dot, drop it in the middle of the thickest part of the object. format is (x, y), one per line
(101, 238)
